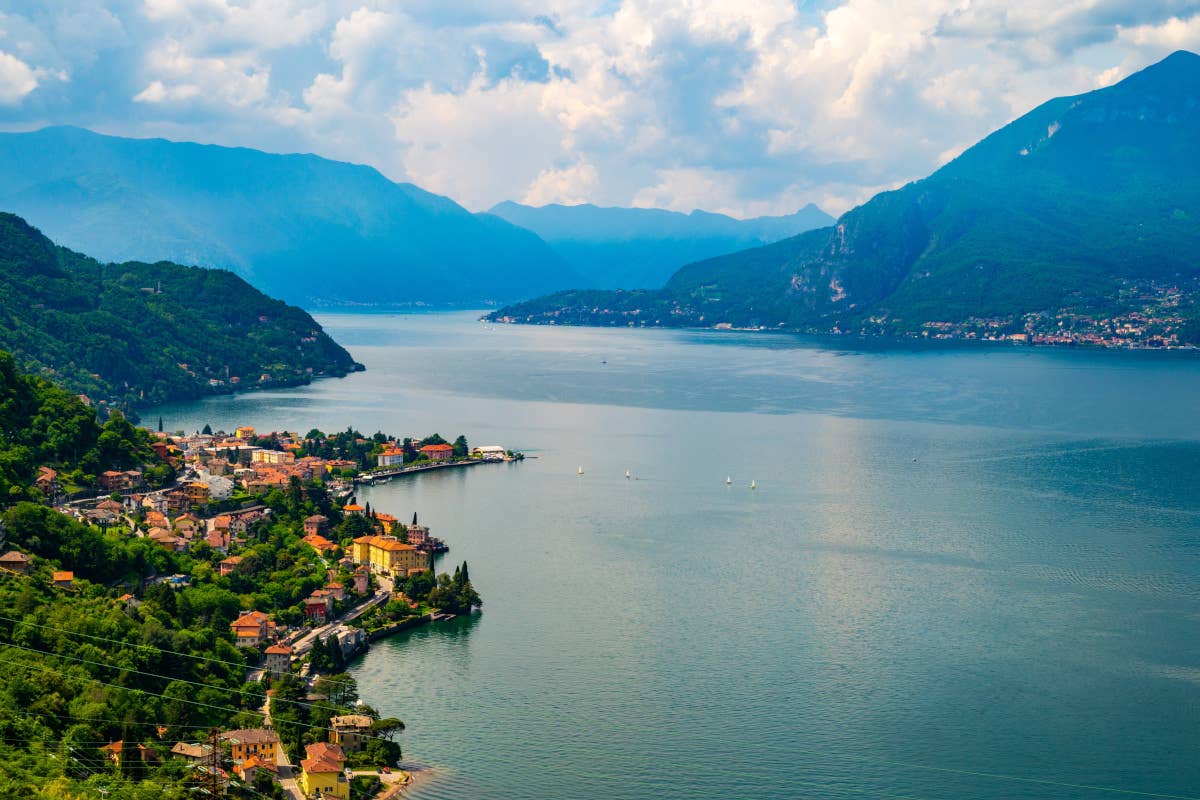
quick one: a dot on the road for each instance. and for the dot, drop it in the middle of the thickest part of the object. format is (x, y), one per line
(283, 767)
(305, 642)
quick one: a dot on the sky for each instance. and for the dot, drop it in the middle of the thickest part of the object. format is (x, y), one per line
(747, 107)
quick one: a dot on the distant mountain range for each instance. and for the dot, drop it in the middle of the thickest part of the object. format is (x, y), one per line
(137, 334)
(303, 228)
(1083, 210)
(639, 248)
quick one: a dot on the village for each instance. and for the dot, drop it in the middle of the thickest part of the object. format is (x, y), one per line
(228, 488)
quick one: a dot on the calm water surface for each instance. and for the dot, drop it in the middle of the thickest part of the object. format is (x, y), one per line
(965, 573)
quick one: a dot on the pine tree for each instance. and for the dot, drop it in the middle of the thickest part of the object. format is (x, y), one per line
(207, 431)
(160, 430)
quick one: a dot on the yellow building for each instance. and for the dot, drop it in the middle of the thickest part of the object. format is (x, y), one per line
(388, 554)
(321, 772)
(253, 742)
(197, 493)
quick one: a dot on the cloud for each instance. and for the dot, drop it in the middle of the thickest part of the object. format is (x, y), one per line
(16, 79)
(722, 104)
(569, 185)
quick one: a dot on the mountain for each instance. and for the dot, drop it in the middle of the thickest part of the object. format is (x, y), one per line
(639, 248)
(137, 333)
(299, 227)
(1084, 210)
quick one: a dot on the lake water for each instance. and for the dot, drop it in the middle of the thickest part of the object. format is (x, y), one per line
(965, 572)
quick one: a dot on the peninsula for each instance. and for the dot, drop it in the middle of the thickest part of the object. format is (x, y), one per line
(177, 611)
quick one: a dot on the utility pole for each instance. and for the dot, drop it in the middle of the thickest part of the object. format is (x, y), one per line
(214, 765)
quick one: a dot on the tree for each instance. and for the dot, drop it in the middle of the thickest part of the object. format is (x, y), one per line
(160, 427)
(207, 430)
(460, 447)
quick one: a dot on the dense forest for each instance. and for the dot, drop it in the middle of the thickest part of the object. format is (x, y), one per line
(137, 334)
(42, 424)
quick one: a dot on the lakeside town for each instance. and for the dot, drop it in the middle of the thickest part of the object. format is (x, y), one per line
(267, 527)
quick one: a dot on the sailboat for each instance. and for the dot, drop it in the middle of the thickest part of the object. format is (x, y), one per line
(627, 475)
(753, 485)
(728, 480)
(581, 470)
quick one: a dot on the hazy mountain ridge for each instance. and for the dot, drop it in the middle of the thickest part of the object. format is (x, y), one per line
(1079, 200)
(300, 227)
(642, 247)
(142, 333)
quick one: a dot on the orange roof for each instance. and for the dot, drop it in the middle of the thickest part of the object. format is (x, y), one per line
(436, 448)
(323, 757)
(114, 747)
(64, 576)
(279, 650)
(391, 545)
(318, 542)
(255, 618)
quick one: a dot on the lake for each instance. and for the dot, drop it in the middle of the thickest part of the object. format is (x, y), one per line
(965, 572)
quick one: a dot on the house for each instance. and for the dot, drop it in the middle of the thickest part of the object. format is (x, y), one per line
(252, 628)
(218, 540)
(228, 565)
(350, 732)
(316, 608)
(195, 753)
(490, 453)
(114, 751)
(362, 580)
(157, 519)
(390, 457)
(315, 524)
(47, 482)
(251, 766)
(115, 481)
(353, 508)
(197, 493)
(417, 535)
(244, 432)
(155, 502)
(13, 561)
(129, 601)
(388, 554)
(321, 772)
(252, 742)
(176, 500)
(272, 457)
(437, 452)
(63, 580)
(336, 590)
(278, 659)
(319, 543)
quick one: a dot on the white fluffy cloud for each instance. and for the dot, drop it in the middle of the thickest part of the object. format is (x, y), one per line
(744, 107)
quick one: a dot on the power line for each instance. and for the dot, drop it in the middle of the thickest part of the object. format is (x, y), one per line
(242, 692)
(156, 648)
(223, 709)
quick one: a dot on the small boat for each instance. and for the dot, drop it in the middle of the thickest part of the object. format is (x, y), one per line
(728, 480)
(753, 485)
(627, 475)
(581, 470)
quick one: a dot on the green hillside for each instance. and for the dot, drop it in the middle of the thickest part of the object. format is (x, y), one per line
(1084, 209)
(136, 334)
